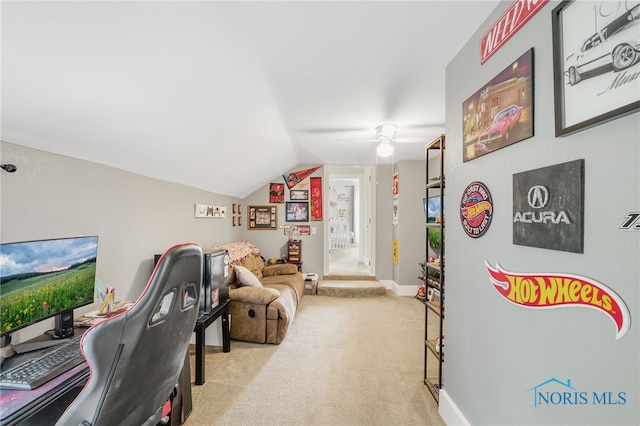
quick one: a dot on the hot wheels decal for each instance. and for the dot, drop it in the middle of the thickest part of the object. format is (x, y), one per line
(543, 290)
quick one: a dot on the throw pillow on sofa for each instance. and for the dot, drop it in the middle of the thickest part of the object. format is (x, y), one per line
(246, 277)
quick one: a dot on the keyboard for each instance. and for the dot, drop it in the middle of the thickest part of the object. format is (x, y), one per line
(44, 367)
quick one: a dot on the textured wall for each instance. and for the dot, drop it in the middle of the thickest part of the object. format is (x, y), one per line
(497, 351)
(410, 229)
(134, 217)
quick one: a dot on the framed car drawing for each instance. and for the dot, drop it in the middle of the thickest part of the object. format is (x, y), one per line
(596, 62)
(501, 112)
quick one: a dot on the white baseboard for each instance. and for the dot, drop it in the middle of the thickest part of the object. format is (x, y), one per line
(403, 290)
(450, 412)
(388, 284)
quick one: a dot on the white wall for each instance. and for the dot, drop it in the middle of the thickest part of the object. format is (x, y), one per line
(383, 223)
(497, 351)
(410, 230)
(134, 217)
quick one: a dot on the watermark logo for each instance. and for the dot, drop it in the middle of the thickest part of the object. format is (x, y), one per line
(554, 392)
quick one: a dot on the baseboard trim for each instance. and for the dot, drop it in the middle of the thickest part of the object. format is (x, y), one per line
(404, 290)
(388, 284)
(450, 412)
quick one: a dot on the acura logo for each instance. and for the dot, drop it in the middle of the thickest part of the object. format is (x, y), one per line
(538, 196)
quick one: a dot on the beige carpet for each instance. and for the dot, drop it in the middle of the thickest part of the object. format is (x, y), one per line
(351, 288)
(334, 277)
(344, 361)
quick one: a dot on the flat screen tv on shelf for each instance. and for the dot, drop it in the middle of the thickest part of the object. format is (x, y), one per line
(215, 279)
(43, 279)
(432, 209)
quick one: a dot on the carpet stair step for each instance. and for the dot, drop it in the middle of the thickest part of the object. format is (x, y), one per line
(355, 288)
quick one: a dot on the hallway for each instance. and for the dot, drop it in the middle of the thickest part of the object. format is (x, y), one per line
(344, 261)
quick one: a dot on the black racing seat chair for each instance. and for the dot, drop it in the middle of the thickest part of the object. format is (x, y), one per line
(136, 358)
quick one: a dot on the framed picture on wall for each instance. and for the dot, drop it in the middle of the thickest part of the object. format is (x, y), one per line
(276, 192)
(304, 229)
(299, 194)
(595, 66)
(500, 113)
(262, 217)
(297, 211)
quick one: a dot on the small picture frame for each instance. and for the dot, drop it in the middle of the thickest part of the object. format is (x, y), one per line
(304, 229)
(276, 192)
(235, 208)
(209, 211)
(297, 211)
(235, 221)
(299, 194)
(262, 217)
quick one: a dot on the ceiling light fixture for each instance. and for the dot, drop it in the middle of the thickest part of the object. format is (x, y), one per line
(386, 131)
(384, 148)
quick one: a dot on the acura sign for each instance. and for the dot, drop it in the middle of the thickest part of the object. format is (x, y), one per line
(548, 207)
(538, 196)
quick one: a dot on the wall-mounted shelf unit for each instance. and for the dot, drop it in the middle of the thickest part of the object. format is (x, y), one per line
(434, 271)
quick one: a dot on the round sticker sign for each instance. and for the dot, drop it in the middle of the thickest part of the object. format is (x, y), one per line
(476, 209)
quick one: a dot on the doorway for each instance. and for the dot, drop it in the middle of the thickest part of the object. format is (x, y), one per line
(348, 240)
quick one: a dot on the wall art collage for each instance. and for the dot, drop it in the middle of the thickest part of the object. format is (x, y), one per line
(301, 195)
(593, 83)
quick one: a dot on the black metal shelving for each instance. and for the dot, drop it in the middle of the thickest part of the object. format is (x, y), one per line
(434, 272)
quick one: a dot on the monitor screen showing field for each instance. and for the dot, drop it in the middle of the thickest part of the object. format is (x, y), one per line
(40, 279)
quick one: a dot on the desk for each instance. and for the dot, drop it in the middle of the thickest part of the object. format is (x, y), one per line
(202, 323)
(43, 402)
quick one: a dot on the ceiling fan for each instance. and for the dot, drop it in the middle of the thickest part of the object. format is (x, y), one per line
(386, 137)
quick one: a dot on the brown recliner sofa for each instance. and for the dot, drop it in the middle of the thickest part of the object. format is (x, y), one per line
(261, 314)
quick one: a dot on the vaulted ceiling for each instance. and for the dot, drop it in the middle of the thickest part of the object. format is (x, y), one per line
(226, 96)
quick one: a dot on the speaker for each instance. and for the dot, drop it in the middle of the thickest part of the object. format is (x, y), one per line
(64, 325)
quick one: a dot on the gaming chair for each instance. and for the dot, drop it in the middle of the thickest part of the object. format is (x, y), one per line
(136, 357)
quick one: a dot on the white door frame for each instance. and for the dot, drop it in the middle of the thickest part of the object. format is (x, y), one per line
(365, 177)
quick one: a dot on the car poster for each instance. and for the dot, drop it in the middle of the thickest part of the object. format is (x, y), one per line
(501, 112)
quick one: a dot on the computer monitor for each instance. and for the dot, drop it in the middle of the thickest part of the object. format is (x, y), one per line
(43, 279)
